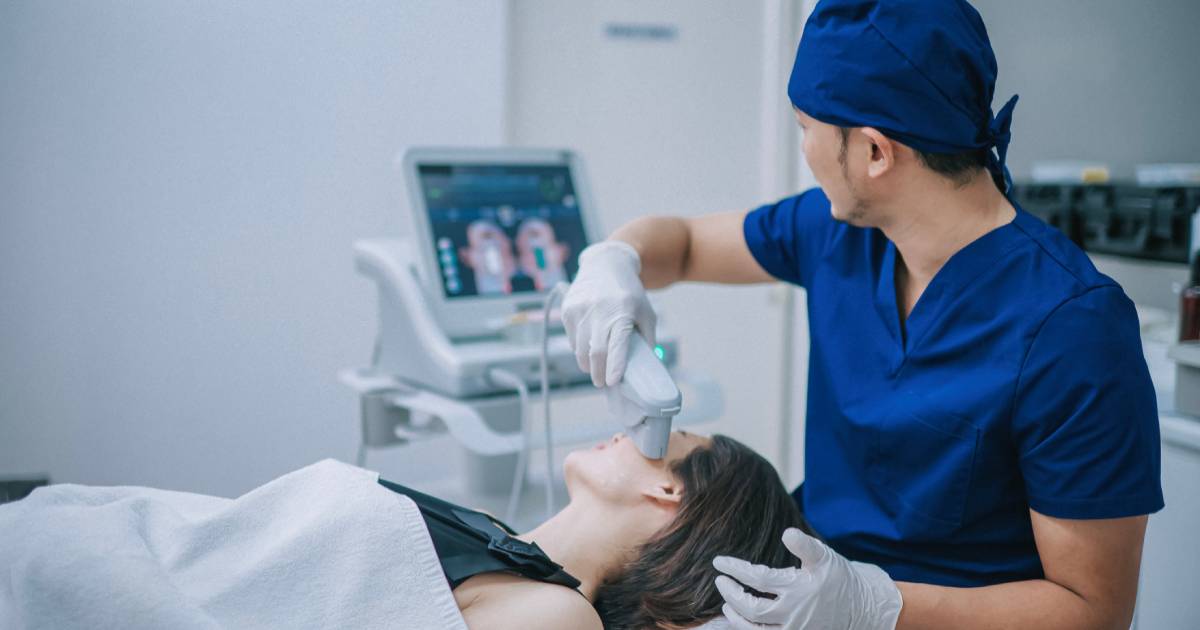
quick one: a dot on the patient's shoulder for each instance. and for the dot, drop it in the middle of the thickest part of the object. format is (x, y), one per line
(504, 602)
(563, 607)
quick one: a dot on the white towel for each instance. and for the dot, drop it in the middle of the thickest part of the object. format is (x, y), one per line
(323, 547)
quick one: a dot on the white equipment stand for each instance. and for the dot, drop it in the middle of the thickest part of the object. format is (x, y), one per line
(423, 384)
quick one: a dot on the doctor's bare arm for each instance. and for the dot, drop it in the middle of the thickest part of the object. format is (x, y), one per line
(1091, 569)
(709, 248)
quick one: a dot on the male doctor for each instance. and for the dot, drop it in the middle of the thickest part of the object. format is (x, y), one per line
(982, 434)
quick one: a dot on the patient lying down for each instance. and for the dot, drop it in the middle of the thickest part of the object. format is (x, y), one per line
(327, 547)
(636, 540)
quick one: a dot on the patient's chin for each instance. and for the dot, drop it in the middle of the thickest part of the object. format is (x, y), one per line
(571, 470)
(581, 472)
(596, 475)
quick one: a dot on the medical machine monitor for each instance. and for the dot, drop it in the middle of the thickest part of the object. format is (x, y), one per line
(497, 229)
(502, 229)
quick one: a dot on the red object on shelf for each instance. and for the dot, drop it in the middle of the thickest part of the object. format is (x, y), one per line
(1189, 305)
(1189, 314)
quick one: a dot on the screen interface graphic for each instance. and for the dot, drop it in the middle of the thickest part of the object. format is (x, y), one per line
(502, 229)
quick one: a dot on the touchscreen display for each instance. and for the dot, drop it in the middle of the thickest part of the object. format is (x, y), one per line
(502, 229)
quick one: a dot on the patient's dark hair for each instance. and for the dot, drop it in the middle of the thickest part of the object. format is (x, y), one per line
(733, 504)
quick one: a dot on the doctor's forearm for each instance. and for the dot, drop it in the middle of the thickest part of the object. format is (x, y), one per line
(662, 244)
(1029, 605)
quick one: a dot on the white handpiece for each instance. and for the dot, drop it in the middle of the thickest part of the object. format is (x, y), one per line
(646, 399)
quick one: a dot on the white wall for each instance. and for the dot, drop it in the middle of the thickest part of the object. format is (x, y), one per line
(1109, 80)
(180, 183)
(667, 126)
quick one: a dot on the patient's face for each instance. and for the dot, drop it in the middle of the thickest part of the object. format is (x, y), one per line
(616, 472)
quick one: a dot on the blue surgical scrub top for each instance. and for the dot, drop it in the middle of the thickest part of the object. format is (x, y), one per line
(1019, 384)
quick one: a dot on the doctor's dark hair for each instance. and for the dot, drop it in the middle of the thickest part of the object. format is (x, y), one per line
(733, 504)
(957, 167)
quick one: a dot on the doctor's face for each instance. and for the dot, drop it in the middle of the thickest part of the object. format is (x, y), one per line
(825, 152)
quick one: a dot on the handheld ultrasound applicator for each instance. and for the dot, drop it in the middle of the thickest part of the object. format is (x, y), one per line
(645, 400)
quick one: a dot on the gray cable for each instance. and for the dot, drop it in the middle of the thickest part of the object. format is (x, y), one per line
(555, 294)
(508, 379)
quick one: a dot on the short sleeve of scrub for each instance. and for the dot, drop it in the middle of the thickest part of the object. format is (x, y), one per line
(1085, 417)
(788, 238)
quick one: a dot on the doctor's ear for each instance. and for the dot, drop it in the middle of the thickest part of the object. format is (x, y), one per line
(665, 494)
(883, 152)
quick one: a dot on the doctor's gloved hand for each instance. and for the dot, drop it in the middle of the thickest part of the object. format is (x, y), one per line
(604, 305)
(827, 591)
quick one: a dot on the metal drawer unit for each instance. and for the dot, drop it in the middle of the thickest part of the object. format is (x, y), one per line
(1150, 222)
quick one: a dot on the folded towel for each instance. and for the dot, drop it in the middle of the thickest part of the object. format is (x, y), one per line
(323, 547)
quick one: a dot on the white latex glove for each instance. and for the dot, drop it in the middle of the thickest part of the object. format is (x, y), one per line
(603, 306)
(827, 591)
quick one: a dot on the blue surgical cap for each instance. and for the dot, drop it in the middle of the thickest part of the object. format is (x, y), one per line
(920, 71)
